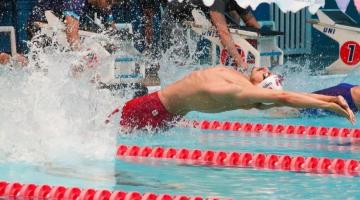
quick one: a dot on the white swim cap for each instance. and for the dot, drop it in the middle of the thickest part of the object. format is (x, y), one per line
(272, 82)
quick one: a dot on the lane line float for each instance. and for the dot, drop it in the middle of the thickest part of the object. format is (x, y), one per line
(42, 192)
(276, 129)
(259, 161)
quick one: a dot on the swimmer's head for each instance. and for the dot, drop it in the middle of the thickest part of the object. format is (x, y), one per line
(262, 77)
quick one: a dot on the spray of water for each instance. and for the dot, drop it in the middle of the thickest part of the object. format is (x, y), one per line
(47, 115)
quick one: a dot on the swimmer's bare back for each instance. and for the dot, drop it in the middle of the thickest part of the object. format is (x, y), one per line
(207, 90)
(221, 89)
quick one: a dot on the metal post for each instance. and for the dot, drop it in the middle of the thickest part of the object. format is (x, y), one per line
(11, 30)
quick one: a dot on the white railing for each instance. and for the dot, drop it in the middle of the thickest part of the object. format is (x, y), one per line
(297, 33)
(11, 30)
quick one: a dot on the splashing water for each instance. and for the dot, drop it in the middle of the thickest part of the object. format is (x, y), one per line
(176, 65)
(46, 116)
(301, 77)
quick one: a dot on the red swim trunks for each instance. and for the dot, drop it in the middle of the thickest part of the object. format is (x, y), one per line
(147, 111)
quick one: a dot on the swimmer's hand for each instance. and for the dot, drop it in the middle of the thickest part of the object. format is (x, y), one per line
(343, 103)
(341, 107)
(241, 65)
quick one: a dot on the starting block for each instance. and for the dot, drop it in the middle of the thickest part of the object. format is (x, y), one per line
(257, 47)
(343, 29)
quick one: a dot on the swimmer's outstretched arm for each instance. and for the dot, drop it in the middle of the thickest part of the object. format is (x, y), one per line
(322, 97)
(334, 99)
(255, 95)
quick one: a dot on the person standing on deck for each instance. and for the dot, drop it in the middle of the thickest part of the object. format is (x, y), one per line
(176, 13)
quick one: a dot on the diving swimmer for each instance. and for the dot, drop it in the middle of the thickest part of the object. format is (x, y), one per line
(219, 89)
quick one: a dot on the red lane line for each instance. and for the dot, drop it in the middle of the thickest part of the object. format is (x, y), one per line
(43, 192)
(251, 160)
(276, 129)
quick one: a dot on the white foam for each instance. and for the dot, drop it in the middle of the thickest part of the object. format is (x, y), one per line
(284, 5)
(50, 117)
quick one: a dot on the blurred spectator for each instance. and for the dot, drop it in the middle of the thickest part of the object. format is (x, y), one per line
(4, 58)
(146, 24)
(73, 12)
(18, 59)
(221, 13)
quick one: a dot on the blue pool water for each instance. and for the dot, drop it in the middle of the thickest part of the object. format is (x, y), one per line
(236, 183)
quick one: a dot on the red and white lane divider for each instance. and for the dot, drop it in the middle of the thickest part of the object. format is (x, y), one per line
(43, 192)
(251, 160)
(279, 129)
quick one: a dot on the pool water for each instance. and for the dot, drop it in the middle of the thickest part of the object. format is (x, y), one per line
(237, 183)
